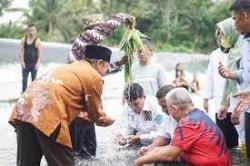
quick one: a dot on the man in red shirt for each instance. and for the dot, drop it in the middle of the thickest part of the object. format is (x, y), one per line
(197, 139)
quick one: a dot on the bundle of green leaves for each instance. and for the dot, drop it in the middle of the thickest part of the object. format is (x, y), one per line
(129, 43)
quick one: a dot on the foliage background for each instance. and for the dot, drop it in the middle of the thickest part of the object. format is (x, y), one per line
(173, 25)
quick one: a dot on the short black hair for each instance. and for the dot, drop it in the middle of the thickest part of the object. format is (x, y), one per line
(163, 91)
(31, 25)
(133, 91)
(146, 41)
(240, 5)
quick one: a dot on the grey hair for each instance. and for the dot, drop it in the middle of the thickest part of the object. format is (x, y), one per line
(178, 96)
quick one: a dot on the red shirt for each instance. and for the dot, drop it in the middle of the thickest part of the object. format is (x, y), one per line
(201, 141)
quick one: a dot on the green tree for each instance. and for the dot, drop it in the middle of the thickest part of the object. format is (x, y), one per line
(51, 17)
(4, 4)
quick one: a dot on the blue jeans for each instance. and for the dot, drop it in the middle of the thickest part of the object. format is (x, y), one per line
(25, 74)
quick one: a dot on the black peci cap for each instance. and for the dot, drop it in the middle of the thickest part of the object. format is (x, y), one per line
(98, 52)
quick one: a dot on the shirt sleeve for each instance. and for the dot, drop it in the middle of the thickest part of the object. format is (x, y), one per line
(94, 37)
(164, 132)
(184, 137)
(93, 100)
(239, 76)
(127, 122)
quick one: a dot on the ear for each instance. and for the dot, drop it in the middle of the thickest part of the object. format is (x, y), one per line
(245, 15)
(174, 107)
(99, 62)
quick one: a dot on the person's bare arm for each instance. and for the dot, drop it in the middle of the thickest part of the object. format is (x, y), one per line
(21, 53)
(159, 154)
(39, 48)
(157, 142)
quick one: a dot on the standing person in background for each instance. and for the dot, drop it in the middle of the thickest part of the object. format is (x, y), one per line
(29, 54)
(150, 75)
(82, 130)
(240, 12)
(226, 37)
(195, 84)
(178, 69)
(181, 81)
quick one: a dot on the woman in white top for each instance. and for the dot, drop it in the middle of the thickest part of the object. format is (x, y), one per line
(150, 75)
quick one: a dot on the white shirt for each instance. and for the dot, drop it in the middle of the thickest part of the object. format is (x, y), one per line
(214, 82)
(243, 74)
(151, 77)
(168, 128)
(147, 124)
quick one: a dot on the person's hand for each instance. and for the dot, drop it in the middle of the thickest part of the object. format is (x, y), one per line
(222, 112)
(121, 140)
(105, 121)
(144, 150)
(235, 117)
(243, 100)
(242, 104)
(137, 162)
(242, 94)
(133, 138)
(205, 104)
(123, 60)
(223, 71)
(129, 20)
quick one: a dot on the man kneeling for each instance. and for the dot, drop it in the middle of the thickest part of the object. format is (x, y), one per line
(196, 141)
(142, 118)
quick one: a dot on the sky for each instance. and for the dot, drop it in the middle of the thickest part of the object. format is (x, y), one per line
(14, 16)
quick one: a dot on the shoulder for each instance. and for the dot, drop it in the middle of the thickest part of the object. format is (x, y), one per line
(215, 53)
(86, 71)
(38, 41)
(151, 100)
(23, 39)
(193, 118)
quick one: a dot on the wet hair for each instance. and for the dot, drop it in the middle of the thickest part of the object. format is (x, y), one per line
(163, 91)
(240, 6)
(133, 92)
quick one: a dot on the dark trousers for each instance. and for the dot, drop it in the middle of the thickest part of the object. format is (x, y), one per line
(83, 138)
(229, 131)
(32, 145)
(25, 74)
(247, 133)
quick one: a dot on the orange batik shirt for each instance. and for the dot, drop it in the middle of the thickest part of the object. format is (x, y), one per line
(58, 97)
